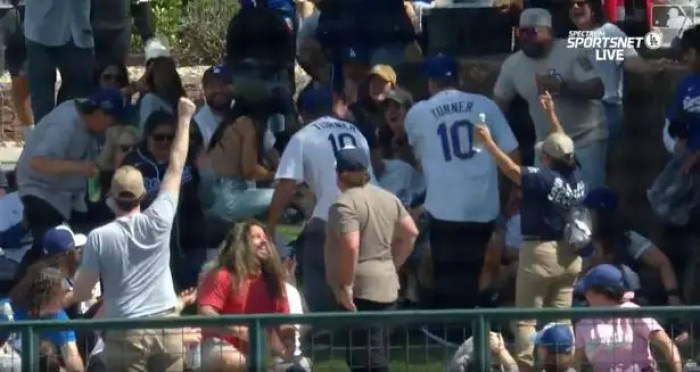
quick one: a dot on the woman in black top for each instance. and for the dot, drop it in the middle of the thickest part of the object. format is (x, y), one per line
(548, 266)
(151, 159)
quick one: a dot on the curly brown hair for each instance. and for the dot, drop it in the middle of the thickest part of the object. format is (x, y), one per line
(37, 288)
(236, 255)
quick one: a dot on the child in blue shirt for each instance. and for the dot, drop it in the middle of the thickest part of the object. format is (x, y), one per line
(683, 116)
(39, 295)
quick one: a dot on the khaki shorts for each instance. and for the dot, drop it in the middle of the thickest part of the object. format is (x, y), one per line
(145, 350)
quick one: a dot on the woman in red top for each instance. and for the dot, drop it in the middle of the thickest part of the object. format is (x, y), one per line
(248, 278)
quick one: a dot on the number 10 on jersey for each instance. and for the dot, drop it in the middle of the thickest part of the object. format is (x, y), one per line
(450, 140)
(342, 140)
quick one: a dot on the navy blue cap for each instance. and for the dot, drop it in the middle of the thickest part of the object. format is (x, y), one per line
(440, 66)
(602, 276)
(61, 239)
(351, 159)
(601, 198)
(316, 98)
(219, 72)
(109, 100)
(557, 338)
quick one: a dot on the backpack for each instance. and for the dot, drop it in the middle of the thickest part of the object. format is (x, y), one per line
(578, 233)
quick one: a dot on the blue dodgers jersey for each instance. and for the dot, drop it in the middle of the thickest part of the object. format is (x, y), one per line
(547, 195)
(687, 102)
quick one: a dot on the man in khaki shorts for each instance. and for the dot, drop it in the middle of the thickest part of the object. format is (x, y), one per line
(370, 235)
(131, 255)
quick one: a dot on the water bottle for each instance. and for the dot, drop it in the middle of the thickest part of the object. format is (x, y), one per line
(94, 189)
(477, 145)
(276, 123)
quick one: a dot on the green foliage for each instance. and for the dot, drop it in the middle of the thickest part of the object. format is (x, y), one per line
(167, 14)
(204, 30)
(196, 34)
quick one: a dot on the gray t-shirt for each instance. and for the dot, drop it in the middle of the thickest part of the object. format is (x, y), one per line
(583, 120)
(132, 257)
(61, 134)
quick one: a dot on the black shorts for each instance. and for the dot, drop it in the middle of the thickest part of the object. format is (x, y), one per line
(11, 21)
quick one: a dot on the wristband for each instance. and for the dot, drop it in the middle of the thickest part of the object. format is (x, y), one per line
(672, 292)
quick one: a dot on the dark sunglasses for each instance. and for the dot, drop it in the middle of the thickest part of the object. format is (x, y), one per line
(163, 137)
(111, 77)
(579, 3)
(527, 33)
(126, 148)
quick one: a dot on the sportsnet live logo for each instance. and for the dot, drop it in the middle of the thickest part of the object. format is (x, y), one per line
(612, 48)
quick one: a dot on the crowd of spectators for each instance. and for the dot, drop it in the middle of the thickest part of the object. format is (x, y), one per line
(418, 202)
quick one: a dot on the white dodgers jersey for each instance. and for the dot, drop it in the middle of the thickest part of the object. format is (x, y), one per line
(310, 157)
(461, 177)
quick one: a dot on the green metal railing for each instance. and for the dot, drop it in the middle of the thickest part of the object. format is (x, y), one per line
(481, 320)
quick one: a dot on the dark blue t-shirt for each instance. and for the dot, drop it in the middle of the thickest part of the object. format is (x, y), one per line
(548, 196)
(686, 103)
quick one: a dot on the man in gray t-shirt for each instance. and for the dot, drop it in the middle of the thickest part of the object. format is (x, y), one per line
(58, 157)
(132, 257)
(546, 64)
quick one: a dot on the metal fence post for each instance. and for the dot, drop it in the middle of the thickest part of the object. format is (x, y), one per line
(481, 343)
(30, 350)
(256, 362)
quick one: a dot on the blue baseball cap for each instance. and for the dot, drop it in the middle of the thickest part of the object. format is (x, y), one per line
(557, 338)
(440, 66)
(109, 100)
(601, 199)
(61, 239)
(351, 159)
(602, 276)
(315, 98)
(219, 72)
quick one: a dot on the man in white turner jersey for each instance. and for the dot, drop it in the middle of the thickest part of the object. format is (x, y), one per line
(462, 197)
(310, 158)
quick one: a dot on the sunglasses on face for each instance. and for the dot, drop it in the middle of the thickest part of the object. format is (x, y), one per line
(527, 33)
(126, 147)
(163, 137)
(578, 4)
